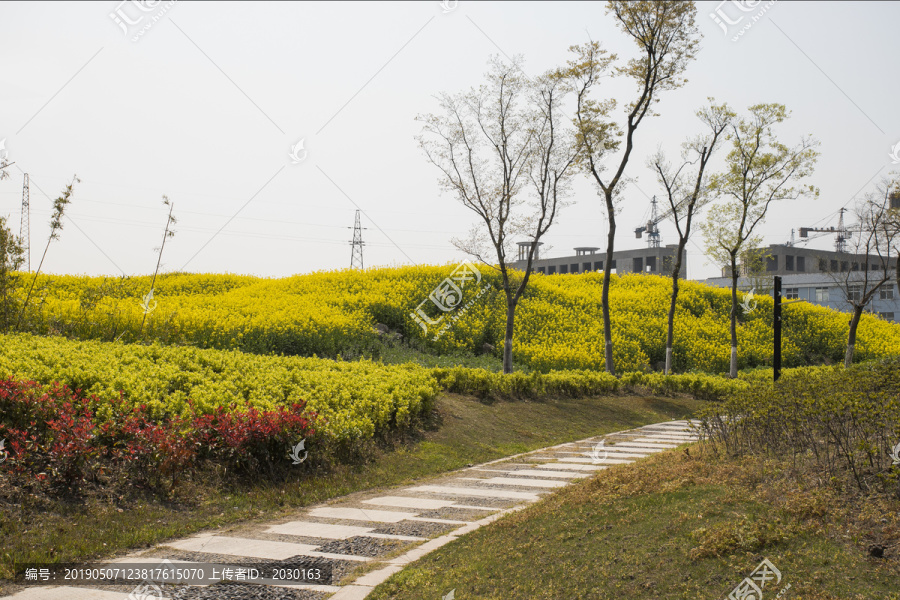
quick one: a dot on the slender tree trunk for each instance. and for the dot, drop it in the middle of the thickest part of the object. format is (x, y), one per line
(734, 304)
(508, 340)
(607, 272)
(670, 334)
(851, 338)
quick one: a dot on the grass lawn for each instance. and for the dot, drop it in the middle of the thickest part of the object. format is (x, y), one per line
(670, 526)
(463, 431)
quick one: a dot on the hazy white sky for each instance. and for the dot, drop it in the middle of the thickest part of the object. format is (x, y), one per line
(203, 101)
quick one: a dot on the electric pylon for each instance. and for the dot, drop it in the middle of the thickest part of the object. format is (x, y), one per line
(356, 258)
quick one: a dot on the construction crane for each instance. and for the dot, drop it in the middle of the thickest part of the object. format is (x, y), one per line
(841, 233)
(653, 238)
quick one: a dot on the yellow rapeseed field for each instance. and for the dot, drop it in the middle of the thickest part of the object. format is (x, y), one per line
(558, 322)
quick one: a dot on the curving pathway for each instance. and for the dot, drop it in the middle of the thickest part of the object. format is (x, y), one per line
(368, 536)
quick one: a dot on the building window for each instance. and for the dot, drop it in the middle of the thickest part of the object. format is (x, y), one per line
(854, 293)
(771, 263)
(598, 265)
(563, 269)
(844, 266)
(821, 294)
(638, 264)
(856, 266)
(801, 264)
(823, 265)
(651, 264)
(540, 269)
(551, 270)
(887, 316)
(612, 265)
(788, 263)
(573, 268)
(886, 293)
(834, 266)
(791, 293)
(586, 267)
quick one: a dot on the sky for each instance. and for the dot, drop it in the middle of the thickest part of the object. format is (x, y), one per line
(268, 124)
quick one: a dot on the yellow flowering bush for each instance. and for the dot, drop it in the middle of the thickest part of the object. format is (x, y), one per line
(558, 323)
(355, 399)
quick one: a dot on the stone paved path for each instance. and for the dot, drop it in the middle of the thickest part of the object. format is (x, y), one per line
(368, 536)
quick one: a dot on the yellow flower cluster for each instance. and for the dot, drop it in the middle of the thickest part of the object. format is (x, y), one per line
(355, 399)
(558, 323)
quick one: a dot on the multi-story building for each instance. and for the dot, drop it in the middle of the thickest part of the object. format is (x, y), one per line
(829, 290)
(659, 261)
(780, 259)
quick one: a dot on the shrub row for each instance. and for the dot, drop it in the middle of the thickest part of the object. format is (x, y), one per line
(56, 436)
(847, 421)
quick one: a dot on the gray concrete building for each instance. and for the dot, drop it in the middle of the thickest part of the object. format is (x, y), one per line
(659, 261)
(782, 259)
(825, 290)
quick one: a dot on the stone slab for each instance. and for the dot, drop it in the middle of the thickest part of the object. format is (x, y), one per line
(216, 544)
(475, 492)
(545, 473)
(524, 482)
(406, 502)
(570, 467)
(658, 443)
(640, 446)
(359, 514)
(611, 453)
(444, 521)
(319, 530)
(591, 461)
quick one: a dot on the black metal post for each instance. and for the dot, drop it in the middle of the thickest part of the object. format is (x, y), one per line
(776, 361)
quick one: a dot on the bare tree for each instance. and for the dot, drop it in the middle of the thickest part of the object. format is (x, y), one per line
(687, 192)
(490, 145)
(759, 171)
(874, 241)
(668, 40)
(146, 304)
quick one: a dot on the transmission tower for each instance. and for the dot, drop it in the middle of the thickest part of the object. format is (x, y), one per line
(356, 258)
(25, 226)
(840, 240)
